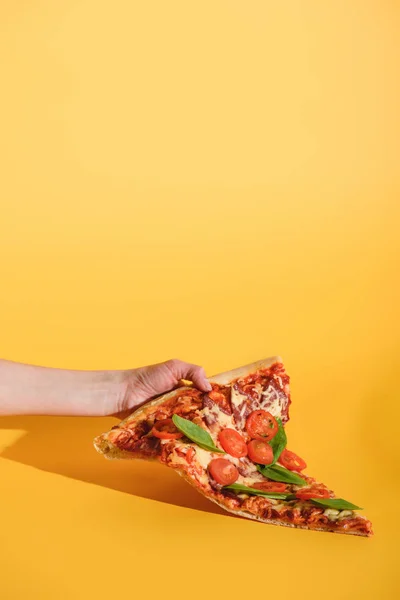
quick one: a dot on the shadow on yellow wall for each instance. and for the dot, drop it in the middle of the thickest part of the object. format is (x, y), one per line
(62, 445)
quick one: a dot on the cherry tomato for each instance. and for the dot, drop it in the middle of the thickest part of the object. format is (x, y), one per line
(291, 461)
(261, 425)
(260, 452)
(233, 443)
(270, 486)
(223, 471)
(312, 492)
(166, 430)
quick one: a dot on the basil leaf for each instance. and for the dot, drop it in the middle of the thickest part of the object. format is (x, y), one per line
(278, 442)
(238, 487)
(196, 433)
(337, 503)
(278, 473)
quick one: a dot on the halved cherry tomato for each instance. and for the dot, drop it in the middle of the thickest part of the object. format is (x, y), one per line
(233, 443)
(223, 471)
(312, 492)
(270, 486)
(291, 461)
(261, 425)
(166, 430)
(260, 452)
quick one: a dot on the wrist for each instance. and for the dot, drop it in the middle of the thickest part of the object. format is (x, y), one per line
(117, 392)
(133, 389)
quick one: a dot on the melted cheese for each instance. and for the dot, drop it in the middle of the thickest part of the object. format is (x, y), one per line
(277, 505)
(336, 515)
(272, 401)
(239, 402)
(223, 420)
(345, 513)
(331, 513)
(237, 398)
(203, 457)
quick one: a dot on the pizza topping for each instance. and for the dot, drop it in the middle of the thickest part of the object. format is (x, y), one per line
(138, 429)
(190, 454)
(270, 486)
(233, 443)
(203, 457)
(274, 400)
(355, 524)
(121, 437)
(223, 471)
(183, 402)
(251, 491)
(261, 425)
(332, 514)
(260, 452)
(220, 395)
(279, 441)
(291, 461)
(146, 446)
(252, 390)
(195, 433)
(278, 473)
(166, 430)
(216, 396)
(336, 503)
(302, 514)
(242, 406)
(338, 515)
(215, 417)
(248, 467)
(313, 492)
(126, 440)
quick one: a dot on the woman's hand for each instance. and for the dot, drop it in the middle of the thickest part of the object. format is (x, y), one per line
(146, 382)
(32, 390)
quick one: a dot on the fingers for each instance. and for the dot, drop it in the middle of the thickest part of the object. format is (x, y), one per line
(195, 373)
(198, 376)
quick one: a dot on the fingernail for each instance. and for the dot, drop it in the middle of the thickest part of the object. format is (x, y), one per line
(208, 386)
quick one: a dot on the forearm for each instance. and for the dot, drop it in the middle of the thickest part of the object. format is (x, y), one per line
(31, 390)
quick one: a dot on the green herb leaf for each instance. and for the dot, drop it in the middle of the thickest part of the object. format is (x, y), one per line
(278, 442)
(196, 433)
(278, 473)
(238, 487)
(337, 503)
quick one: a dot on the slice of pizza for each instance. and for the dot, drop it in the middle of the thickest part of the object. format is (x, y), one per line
(230, 444)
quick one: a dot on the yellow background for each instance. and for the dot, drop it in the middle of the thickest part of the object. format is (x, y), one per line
(216, 181)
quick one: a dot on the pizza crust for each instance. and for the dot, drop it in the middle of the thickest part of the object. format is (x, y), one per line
(226, 377)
